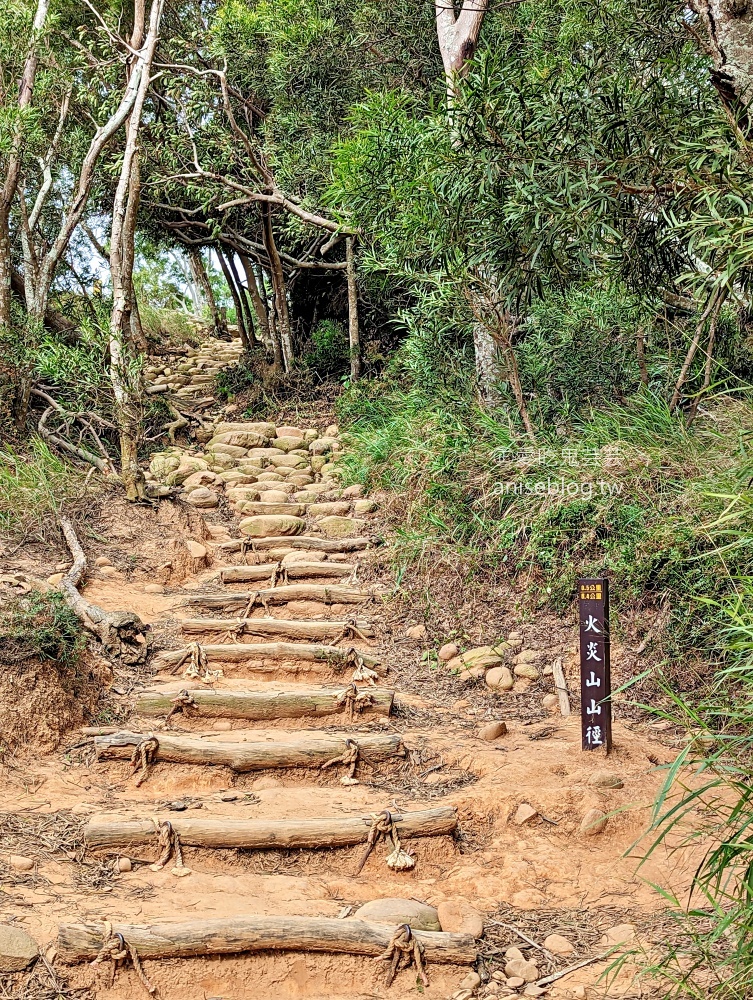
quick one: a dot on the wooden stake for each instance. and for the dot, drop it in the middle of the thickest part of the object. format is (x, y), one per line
(243, 757)
(234, 935)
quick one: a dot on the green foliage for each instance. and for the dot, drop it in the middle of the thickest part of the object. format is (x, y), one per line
(35, 486)
(40, 626)
(330, 350)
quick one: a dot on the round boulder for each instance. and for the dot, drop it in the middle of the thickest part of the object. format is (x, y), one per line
(458, 917)
(272, 525)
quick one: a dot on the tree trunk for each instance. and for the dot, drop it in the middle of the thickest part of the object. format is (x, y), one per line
(201, 279)
(334, 594)
(729, 31)
(240, 652)
(125, 371)
(458, 38)
(277, 273)
(106, 833)
(297, 703)
(235, 295)
(13, 165)
(244, 757)
(271, 627)
(244, 935)
(354, 338)
(259, 306)
(123, 635)
(243, 295)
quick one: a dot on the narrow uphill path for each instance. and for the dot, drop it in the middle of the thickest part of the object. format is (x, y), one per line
(272, 774)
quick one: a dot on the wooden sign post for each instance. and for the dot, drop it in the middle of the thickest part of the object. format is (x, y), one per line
(595, 678)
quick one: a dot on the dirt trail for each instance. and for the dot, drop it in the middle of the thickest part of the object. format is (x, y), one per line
(542, 871)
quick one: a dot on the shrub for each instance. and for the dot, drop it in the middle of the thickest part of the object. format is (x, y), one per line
(40, 626)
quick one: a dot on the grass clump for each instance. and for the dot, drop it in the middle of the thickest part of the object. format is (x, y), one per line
(42, 627)
(35, 486)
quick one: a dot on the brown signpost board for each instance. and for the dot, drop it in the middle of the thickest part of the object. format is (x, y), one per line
(595, 679)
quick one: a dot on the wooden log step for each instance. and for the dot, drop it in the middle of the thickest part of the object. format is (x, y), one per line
(239, 652)
(334, 594)
(293, 629)
(293, 571)
(243, 757)
(235, 935)
(258, 705)
(110, 832)
(313, 542)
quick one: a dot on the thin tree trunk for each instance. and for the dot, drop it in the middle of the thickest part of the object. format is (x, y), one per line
(235, 295)
(201, 279)
(248, 317)
(715, 299)
(709, 359)
(354, 338)
(280, 293)
(125, 372)
(13, 168)
(260, 309)
(640, 348)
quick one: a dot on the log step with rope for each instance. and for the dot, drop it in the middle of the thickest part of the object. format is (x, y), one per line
(240, 652)
(313, 751)
(235, 935)
(313, 542)
(291, 571)
(335, 594)
(107, 832)
(336, 631)
(255, 706)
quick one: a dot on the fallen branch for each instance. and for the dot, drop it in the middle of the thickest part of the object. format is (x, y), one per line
(258, 705)
(235, 935)
(244, 757)
(122, 633)
(109, 833)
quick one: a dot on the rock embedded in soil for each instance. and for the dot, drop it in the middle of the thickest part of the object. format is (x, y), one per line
(526, 670)
(20, 863)
(551, 703)
(392, 910)
(525, 813)
(102, 561)
(448, 652)
(482, 656)
(514, 953)
(458, 917)
(265, 783)
(471, 982)
(154, 588)
(364, 507)
(196, 479)
(272, 526)
(492, 731)
(17, 949)
(558, 945)
(124, 865)
(242, 439)
(352, 492)
(532, 990)
(416, 632)
(500, 678)
(55, 579)
(593, 823)
(527, 656)
(203, 498)
(341, 527)
(605, 779)
(619, 934)
(520, 968)
(195, 549)
(515, 982)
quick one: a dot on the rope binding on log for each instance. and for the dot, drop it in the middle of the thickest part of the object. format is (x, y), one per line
(115, 949)
(383, 825)
(144, 754)
(168, 842)
(350, 630)
(403, 949)
(199, 666)
(350, 758)
(183, 704)
(354, 701)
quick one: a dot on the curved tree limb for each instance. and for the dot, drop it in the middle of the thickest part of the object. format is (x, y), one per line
(122, 633)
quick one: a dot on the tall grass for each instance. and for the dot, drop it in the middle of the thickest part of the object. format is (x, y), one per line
(35, 486)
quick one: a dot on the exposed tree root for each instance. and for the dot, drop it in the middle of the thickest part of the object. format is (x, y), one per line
(122, 633)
